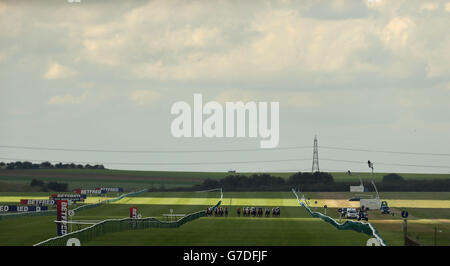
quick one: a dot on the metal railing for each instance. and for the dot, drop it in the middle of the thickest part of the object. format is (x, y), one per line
(53, 212)
(119, 225)
(361, 227)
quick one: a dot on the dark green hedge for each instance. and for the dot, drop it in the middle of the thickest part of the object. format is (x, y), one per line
(316, 182)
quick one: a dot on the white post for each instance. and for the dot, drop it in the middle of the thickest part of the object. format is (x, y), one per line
(371, 175)
(373, 182)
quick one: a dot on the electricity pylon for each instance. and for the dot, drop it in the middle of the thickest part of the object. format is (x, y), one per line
(315, 163)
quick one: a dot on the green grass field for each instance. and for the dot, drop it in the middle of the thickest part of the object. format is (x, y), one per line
(233, 231)
(294, 227)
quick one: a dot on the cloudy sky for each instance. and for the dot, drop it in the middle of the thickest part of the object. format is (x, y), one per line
(104, 74)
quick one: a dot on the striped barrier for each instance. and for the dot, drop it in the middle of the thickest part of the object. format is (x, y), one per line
(361, 227)
(53, 212)
(119, 225)
(22, 214)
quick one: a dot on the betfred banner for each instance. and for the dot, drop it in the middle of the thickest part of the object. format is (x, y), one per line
(16, 208)
(89, 191)
(68, 196)
(72, 197)
(37, 202)
(133, 212)
(111, 189)
(62, 210)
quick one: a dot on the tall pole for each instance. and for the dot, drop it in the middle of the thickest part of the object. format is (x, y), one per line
(315, 163)
(405, 231)
(371, 177)
(371, 174)
(435, 234)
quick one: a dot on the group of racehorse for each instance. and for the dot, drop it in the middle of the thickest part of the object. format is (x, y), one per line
(217, 211)
(254, 211)
(246, 211)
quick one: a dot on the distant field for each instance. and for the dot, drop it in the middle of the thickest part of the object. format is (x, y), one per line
(11, 186)
(91, 178)
(340, 176)
(133, 180)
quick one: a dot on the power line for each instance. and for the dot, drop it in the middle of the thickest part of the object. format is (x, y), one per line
(315, 164)
(217, 150)
(382, 151)
(147, 151)
(279, 171)
(392, 164)
(166, 163)
(233, 162)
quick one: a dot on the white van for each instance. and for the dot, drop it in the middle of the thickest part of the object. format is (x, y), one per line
(370, 204)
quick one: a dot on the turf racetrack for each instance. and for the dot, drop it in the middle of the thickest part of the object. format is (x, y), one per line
(220, 231)
(294, 227)
(331, 203)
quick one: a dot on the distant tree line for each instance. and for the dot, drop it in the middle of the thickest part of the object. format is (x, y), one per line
(48, 165)
(432, 185)
(319, 181)
(50, 186)
(392, 178)
(395, 182)
(267, 182)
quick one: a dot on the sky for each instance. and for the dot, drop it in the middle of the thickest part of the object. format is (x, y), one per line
(103, 75)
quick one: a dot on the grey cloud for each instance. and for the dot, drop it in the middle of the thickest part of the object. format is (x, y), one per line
(370, 65)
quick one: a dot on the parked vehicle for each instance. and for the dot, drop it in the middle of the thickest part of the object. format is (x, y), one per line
(370, 204)
(362, 215)
(385, 208)
(351, 213)
(343, 212)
